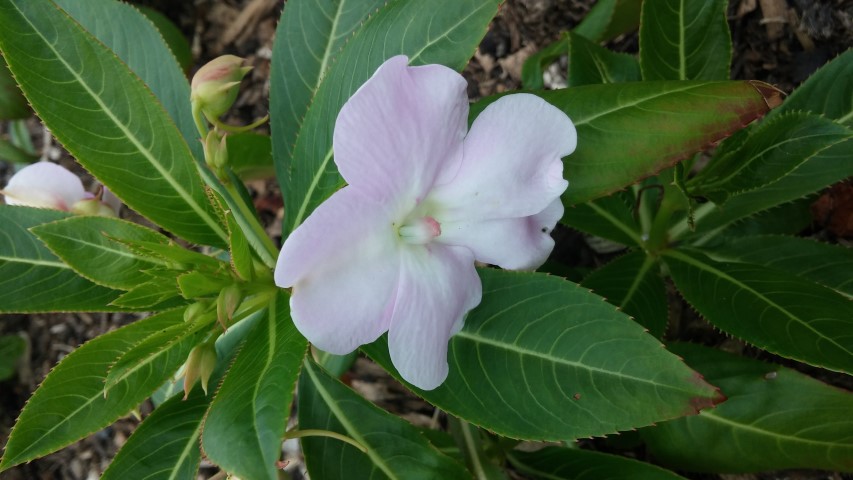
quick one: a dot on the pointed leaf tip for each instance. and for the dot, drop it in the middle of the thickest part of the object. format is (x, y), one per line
(772, 95)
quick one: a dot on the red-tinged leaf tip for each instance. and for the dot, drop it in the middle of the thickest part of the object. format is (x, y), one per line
(772, 96)
(700, 402)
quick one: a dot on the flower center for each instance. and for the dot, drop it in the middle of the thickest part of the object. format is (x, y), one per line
(420, 231)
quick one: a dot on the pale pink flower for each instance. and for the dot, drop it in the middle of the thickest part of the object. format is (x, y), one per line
(44, 185)
(395, 249)
(48, 185)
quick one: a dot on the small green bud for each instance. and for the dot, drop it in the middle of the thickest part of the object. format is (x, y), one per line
(195, 311)
(200, 364)
(215, 151)
(216, 84)
(226, 304)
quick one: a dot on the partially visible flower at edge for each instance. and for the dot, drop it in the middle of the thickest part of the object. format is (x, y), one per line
(48, 185)
(395, 249)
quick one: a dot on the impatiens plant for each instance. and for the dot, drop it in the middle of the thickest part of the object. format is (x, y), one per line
(411, 212)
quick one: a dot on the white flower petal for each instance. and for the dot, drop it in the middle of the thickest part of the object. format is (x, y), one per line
(511, 164)
(401, 129)
(438, 286)
(44, 185)
(343, 264)
(515, 243)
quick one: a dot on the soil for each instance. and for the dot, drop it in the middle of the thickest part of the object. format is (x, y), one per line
(782, 49)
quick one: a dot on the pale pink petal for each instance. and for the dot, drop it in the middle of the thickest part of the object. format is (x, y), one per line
(515, 243)
(44, 185)
(401, 129)
(343, 264)
(438, 286)
(511, 164)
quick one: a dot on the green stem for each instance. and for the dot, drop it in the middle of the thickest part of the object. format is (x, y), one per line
(252, 227)
(232, 129)
(200, 123)
(254, 231)
(682, 228)
(311, 432)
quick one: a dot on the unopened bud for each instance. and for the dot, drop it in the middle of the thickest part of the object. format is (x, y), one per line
(195, 311)
(215, 150)
(215, 85)
(226, 304)
(200, 364)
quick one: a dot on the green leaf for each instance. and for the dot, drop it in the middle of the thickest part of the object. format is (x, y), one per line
(827, 92)
(335, 365)
(610, 217)
(13, 154)
(531, 71)
(827, 167)
(772, 150)
(172, 35)
(12, 102)
(174, 254)
(786, 219)
(556, 463)
(685, 40)
(123, 28)
(253, 403)
(395, 449)
(198, 284)
(608, 19)
(542, 358)
(591, 64)
(165, 445)
(165, 350)
(151, 295)
(630, 131)
(473, 447)
(250, 155)
(453, 31)
(85, 244)
(633, 283)
(11, 349)
(241, 254)
(32, 279)
(829, 265)
(781, 313)
(130, 144)
(774, 418)
(70, 403)
(309, 37)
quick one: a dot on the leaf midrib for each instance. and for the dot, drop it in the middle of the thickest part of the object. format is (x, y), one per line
(722, 275)
(474, 337)
(745, 163)
(712, 415)
(191, 443)
(145, 152)
(632, 234)
(184, 333)
(105, 248)
(349, 427)
(33, 261)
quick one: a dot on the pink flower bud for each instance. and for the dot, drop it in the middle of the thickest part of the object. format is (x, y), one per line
(215, 85)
